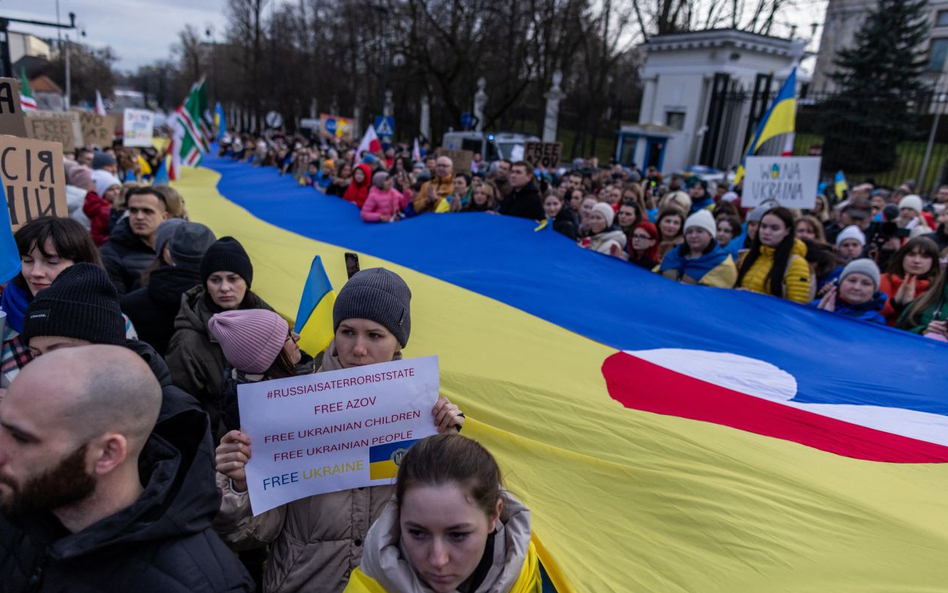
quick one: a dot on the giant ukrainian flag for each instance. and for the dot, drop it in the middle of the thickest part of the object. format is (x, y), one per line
(667, 437)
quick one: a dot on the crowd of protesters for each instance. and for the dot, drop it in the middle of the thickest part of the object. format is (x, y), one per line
(129, 329)
(875, 253)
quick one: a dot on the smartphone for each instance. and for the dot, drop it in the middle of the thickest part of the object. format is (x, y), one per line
(352, 263)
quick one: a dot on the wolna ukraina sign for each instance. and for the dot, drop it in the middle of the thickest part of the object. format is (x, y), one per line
(788, 181)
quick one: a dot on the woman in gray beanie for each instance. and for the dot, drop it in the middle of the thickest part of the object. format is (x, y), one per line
(315, 543)
(857, 295)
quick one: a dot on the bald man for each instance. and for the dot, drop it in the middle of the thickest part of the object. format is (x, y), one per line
(94, 496)
(441, 185)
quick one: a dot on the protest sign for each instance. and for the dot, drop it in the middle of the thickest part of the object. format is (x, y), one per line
(333, 126)
(55, 126)
(138, 127)
(33, 179)
(11, 112)
(97, 130)
(789, 181)
(462, 159)
(332, 431)
(543, 154)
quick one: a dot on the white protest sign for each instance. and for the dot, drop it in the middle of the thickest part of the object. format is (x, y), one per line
(138, 127)
(334, 431)
(790, 181)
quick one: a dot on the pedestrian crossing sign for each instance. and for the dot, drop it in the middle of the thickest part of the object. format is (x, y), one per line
(385, 127)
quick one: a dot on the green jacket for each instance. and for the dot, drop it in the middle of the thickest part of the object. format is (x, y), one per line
(939, 312)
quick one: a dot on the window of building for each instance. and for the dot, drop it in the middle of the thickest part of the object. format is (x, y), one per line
(676, 119)
(937, 53)
(941, 19)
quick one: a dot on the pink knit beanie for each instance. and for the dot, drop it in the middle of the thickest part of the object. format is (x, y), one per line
(251, 339)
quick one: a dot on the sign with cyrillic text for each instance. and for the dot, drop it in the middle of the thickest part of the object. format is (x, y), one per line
(11, 112)
(790, 181)
(33, 178)
(337, 430)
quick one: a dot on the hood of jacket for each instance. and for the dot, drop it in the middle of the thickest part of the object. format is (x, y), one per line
(197, 309)
(122, 235)
(167, 284)
(876, 303)
(385, 560)
(179, 497)
(799, 248)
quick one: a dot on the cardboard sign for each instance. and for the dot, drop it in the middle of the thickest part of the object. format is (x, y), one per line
(138, 127)
(332, 431)
(333, 126)
(33, 178)
(788, 181)
(462, 159)
(97, 130)
(543, 154)
(11, 112)
(53, 126)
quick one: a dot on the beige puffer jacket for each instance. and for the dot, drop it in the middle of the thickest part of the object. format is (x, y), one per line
(386, 559)
(315, 542)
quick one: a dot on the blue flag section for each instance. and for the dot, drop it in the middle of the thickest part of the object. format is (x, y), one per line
(9, 256)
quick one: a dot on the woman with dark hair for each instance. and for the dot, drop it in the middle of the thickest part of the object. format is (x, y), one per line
(643, 245)
(776, 263)
(908, 275)
(928, 314)
(728, 233)
(358, 190)
(461, 192)
(415, 545)
(670, 224)
(628, 215)
(341, 181)
(700, 260)
(47, 246)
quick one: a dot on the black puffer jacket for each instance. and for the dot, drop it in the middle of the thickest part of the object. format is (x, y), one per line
(163, 542)
(524, 203)
(153, 308)
(125, 257)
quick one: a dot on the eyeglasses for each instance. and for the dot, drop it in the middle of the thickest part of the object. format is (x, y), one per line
(292, 336)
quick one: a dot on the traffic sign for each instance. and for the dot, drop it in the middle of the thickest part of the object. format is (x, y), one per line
(274, 119)
(384, 127)
(467, 119)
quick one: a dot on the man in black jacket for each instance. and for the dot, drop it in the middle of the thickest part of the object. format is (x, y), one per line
(524, 201)
(94, 495)
(131, 246)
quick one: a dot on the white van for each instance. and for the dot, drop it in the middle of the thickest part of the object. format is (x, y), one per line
(492, 146)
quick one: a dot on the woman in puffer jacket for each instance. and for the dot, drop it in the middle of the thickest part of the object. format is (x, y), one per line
(857, 294)
(415, 546)
(316, 542)
(776, 263)
(385, 203)
(603, 238)
(700, 260)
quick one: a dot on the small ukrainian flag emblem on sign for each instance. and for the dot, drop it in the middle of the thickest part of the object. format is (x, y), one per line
(385, 459)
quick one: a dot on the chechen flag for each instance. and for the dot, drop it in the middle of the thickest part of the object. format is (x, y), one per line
(370, 142)
(27, 102)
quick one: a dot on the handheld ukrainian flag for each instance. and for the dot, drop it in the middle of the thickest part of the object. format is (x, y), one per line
(219, 121)
(780, 119)
(9, 256)
(841, 185)
(161, 175)
(385, 459)
(314, 318)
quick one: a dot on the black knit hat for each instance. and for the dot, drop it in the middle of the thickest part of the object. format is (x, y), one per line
(378, 295)
(81, 303)
(227, 254)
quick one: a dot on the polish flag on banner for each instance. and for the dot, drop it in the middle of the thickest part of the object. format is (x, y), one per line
(370, 142)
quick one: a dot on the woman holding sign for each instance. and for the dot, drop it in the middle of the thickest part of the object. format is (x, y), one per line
(316, 543)
(451, 527)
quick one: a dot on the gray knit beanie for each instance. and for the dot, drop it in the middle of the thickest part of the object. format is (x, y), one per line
(862, 266)
(379, 179)
(378, 295)
(189, 243)
(165, 232)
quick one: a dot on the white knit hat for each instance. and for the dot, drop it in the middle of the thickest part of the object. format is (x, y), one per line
(703, 220)
(607, 212)
(912, 202)
(851, 232)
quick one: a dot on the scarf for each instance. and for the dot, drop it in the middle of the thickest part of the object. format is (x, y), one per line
(14, 303)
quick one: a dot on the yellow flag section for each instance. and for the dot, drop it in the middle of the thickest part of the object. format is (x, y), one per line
(625, 500)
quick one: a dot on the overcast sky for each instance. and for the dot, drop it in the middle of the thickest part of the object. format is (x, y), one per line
(142, 31)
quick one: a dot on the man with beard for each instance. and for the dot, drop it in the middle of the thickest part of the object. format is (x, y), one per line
(94, 496)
